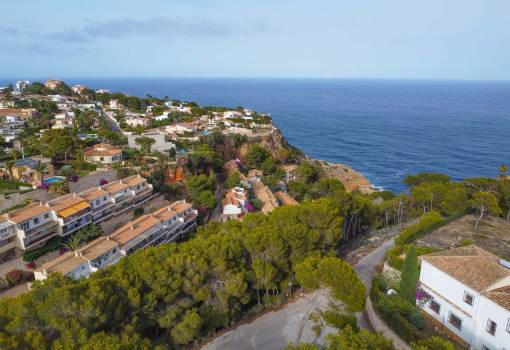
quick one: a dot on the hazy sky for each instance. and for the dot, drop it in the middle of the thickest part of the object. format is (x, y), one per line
(439, 39)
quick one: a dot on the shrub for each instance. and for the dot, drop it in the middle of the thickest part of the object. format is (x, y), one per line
(51, 245)
(340, 321)
(137, 212)
(427, 223)
(16, 277)
(4, 284)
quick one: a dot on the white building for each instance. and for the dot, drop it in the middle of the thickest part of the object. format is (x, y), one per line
(469, 291)
(234, 202)
(163, 116)
(178, 108)
(21, 85)
(63, 120)
(96, 255)
(134, 121)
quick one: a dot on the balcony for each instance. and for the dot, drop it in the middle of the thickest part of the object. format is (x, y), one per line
(38, 229)
(39, 238)
(76, 225)
(77, 216)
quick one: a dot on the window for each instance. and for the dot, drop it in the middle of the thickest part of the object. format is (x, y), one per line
(101, 159)
(508, 326)
(97, 202)
(434, 306)
(104, 198)
(36, 221)
(24, 226)
(468, 298)
(491, 327)
(47, 215)
(455, 321)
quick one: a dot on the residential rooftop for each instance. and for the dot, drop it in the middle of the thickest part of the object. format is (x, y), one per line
(476, 268)
(134, 228)
(21, 215)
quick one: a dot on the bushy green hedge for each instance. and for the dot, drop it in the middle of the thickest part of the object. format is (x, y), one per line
(427, 222)
(51, 245)
(12, 185)
(395, 260)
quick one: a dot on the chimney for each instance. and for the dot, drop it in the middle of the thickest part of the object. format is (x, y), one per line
(74, 194)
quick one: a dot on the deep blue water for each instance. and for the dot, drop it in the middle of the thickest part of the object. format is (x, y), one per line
(384, 129)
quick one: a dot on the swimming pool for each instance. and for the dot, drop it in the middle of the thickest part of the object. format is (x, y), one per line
(53, 179)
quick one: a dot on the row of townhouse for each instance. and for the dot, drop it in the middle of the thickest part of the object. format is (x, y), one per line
(33, 225)
(164, 225)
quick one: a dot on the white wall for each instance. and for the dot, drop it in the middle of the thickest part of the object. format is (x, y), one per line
(449, 293)
(491, 310)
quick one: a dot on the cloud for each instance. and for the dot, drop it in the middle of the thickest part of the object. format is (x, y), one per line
(163, 27)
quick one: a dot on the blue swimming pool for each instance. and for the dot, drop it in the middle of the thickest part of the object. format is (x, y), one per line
(53, 179)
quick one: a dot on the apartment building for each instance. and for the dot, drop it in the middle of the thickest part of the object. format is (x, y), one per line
(93, 256)
(468, 296)
(35, 225)
(72, 212)
(102, 204)
(7, 238)
(163, 226)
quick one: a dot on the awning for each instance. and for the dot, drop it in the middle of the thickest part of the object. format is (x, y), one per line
(73, 210)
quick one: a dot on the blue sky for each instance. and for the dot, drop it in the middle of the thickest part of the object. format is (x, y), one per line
(436, 39)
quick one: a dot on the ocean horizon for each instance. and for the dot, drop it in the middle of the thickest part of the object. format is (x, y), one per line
(383, 128)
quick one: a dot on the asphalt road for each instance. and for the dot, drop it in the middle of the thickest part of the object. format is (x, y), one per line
(275, 330)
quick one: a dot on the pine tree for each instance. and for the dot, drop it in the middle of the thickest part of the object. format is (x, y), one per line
(410, 275)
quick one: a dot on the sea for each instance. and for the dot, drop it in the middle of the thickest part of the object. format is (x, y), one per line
(385, 129)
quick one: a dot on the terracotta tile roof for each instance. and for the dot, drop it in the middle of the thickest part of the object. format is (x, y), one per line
(114, 187)
(285, 199)
(28, 212)
(103, 149)
(164, 213)
(97, 248)
(180, 206)
(64, 264)
(67, 201)
(134, 228)
(470, 265)
(134, 180)
(93, 193)
(500, 296)
(264, 194)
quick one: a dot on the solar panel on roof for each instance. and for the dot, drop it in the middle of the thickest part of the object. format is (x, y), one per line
(27, 162)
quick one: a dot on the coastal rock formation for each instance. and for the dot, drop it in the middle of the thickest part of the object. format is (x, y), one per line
(351, 179)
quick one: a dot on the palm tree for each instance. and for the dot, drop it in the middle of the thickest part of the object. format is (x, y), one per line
(9, 164)
(41, 168)
(73, 243)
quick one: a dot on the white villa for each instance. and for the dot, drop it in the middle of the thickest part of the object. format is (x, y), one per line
(469, 291)
(234, 202)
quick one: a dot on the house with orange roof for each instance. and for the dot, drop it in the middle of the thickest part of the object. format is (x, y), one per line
(468, 295)
(72, 212)
(234, 202)
(103, 153)
(93, 256)
(35, 225)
